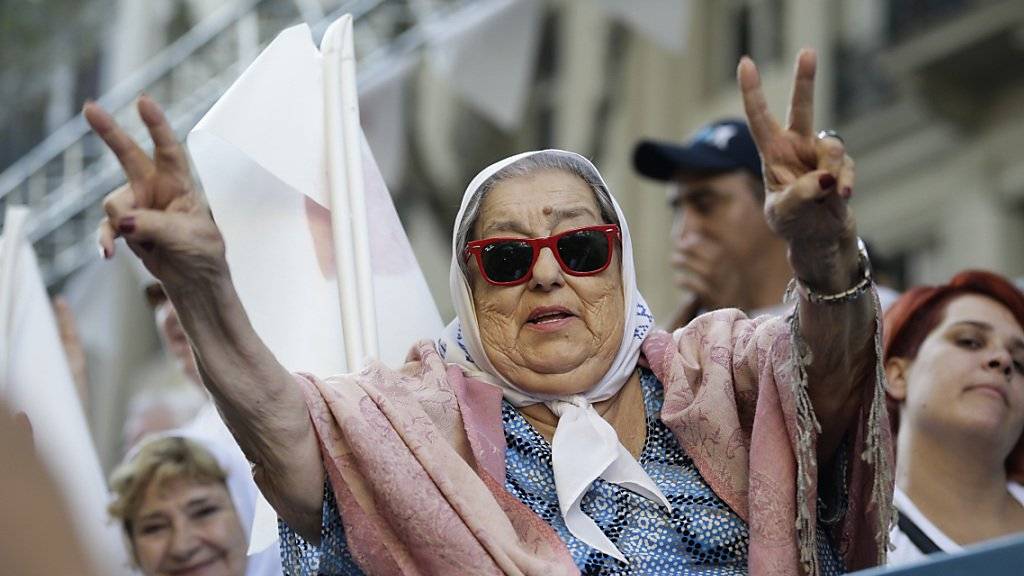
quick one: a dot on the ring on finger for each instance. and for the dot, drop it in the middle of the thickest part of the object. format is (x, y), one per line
(830, 134)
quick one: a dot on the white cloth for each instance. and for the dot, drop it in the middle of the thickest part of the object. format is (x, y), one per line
(487, 54)
(35, 381)
(209, 431)
(666, 22)
(585, 447)
(904, 551)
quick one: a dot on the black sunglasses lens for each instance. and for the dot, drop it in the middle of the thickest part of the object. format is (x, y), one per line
(584, 251)
(506, 261)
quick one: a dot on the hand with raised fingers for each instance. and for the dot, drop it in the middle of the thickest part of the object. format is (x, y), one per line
(160, 212)
(808, 179)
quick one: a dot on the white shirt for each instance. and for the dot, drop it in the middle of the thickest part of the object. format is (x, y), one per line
(905, 551)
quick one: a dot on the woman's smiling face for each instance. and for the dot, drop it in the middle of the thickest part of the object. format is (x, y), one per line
(184, 527)
(556, 333)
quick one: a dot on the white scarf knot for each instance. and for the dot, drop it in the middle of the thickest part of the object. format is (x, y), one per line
(585, 447)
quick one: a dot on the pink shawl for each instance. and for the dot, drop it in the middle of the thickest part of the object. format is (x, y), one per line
(416, 457)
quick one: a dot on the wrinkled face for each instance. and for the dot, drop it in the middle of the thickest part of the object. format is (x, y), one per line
(968, 376)
(723, 220)
(188, 528)
(556, 333)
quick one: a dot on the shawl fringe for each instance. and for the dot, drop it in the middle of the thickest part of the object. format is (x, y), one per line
(808, 427)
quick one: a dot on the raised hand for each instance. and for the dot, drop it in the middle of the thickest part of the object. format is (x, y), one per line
(160, 211)
(808, 179)
(798, 166)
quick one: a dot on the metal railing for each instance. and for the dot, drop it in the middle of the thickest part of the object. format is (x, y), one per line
(64, 178)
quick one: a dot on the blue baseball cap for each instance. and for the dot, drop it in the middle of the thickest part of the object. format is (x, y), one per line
(721, 146)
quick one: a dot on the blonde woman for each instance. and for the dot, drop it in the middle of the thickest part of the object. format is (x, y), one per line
(180, 499)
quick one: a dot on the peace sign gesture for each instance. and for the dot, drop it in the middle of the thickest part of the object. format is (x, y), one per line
(807, 179)
(160, 211)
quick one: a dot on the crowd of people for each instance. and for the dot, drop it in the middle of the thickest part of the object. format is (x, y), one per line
(791, 417)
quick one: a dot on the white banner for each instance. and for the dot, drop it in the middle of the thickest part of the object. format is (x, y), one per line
(488, 53)
(260, 153)
(35, 380)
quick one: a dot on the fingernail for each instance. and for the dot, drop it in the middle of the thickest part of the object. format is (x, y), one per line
(103, 252)
(126, 225)
(847, 192)
(826, 181)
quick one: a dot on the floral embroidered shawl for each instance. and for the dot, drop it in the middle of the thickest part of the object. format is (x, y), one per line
(416, 456)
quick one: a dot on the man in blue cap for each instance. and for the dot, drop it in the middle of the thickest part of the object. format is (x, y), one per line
(723, 253)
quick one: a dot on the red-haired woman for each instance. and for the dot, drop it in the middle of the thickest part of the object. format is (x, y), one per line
(954, 356)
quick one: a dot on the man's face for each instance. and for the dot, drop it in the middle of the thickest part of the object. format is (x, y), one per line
(718, 232)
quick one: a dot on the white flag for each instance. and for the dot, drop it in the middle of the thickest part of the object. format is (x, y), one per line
(35, 380)
(260, 154)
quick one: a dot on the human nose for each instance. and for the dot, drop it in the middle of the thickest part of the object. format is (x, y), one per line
(688, 223)
(547, 273)
(184, 541)
(1000, 360)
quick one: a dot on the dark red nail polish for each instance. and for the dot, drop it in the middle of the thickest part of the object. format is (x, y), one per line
(826, 181)
(126, 225)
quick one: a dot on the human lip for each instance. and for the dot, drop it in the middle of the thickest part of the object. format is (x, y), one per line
(194, 569)
(992, 389)
(549, 317)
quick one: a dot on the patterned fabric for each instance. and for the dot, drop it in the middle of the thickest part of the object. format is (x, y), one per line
(416, 457)
(701, 535)
(300, 558)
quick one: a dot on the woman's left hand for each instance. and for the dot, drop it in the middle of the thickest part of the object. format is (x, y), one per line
(808, 179)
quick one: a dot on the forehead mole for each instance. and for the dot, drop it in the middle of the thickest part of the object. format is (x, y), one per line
(548, 210)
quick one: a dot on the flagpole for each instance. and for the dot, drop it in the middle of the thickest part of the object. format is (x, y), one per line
(353, 147)
(14, 221)
(341, 213)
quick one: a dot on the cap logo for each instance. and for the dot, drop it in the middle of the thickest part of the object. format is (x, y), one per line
(719, 136)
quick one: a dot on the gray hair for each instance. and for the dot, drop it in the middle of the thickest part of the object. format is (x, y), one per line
(539, 162)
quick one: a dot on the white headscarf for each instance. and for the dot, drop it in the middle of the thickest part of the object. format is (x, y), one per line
(585, 447)
(241, 487)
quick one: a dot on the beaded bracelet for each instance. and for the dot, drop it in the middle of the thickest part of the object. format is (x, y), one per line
(845, 296)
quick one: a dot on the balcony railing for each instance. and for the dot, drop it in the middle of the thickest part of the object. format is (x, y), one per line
(64, 178)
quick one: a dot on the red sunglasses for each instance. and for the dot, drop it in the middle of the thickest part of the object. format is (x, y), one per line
(580, 252)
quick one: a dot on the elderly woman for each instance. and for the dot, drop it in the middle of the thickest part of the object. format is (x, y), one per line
(183, 500)
(552, 430)
(954, 355)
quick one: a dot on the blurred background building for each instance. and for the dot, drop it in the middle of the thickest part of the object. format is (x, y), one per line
(926, 93)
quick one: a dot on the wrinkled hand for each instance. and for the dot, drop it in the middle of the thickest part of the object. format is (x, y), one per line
(807, 180)
(160, 212)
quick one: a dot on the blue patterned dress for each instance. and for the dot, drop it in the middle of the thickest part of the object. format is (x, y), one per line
(701, 534)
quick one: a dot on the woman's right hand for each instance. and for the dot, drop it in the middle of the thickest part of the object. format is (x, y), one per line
(164, 218)
(160, 212)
